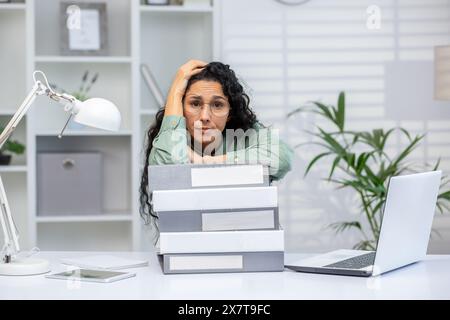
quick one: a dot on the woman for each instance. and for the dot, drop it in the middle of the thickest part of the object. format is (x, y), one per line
(207, 119)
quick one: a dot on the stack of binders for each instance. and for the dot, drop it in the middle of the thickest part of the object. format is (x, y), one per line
(216, 218)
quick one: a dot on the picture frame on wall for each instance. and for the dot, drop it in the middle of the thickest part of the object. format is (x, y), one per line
(83, 28)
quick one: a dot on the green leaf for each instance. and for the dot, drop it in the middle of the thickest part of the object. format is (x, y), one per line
(367, 245)
(342, 226)
(384, 139)
(328, 112)
(406, 133)
(444, 195)
(313, 161)
(335, 163)
(362, 160)
(298, 110)
(325, 110)
(340, 114)
(436, 166)
(413, 144)
(350, 159)
(440, 207)
(335, 146)
(13, 146)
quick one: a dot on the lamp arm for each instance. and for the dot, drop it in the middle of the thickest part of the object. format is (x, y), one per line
(38, 89)
(11, 237)
(12, 124)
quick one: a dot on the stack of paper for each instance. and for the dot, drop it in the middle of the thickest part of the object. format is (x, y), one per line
(216, 218)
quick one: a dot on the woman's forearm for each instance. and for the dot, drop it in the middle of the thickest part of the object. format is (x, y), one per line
(174, 105)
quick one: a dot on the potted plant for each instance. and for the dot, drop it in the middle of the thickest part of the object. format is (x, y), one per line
(85, 86)
(360, 162)
(10, 147)
(82, 94)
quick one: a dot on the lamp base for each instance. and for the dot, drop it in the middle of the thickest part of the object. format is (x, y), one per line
(24, 267)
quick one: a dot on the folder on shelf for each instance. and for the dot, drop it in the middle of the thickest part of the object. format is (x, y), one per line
(152, 84)
(187, 176)
(218, 220)
(222, 262)
(221, 241)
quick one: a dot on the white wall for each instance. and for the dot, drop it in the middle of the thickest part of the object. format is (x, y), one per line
(290, 55)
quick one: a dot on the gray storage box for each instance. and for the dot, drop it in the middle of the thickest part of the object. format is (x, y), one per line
(69, 183)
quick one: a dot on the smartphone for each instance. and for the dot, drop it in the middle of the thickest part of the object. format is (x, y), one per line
(91, 275)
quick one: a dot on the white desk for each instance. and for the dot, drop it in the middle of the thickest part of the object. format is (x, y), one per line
(429, 279)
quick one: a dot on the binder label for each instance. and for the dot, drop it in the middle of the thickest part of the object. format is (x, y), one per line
(243, 220)
(225, 176)
(186, 262)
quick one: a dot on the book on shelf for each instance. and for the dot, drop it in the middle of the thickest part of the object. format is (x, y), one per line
(187, 176)
(152, 84)
(222, 262)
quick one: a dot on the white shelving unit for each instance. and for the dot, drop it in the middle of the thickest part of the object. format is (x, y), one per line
(12, 6)
(13, 168)
(163, 38)
(13, 90)
(84, 132)
(88, 218)
(84, 59)
(180, 9)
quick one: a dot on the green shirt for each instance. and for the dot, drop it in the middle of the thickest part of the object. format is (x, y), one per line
(261, 145)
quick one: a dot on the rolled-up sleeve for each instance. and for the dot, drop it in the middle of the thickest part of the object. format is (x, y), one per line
(170, 145)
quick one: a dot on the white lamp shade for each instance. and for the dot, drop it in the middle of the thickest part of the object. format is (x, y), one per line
(442, 73)
(98, 113)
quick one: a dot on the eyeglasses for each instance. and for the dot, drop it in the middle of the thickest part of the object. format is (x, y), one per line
(217, 108)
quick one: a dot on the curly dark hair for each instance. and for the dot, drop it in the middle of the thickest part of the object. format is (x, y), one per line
(241, 117)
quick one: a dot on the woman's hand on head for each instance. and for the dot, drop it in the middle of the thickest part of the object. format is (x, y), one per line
(184, 73)
(174, 103)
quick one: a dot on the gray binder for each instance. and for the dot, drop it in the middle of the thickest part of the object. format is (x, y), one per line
(180, 176)
(222, 262)
(219, 220)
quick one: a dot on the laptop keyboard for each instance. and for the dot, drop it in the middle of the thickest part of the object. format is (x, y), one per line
(357, 262)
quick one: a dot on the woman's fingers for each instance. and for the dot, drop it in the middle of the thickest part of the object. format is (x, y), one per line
(196, 64)
(194, 72)
(192, 65)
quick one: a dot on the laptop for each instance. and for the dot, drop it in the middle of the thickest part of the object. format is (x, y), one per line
(404, 234)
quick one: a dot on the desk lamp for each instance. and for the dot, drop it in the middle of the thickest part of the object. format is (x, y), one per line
(95, 112)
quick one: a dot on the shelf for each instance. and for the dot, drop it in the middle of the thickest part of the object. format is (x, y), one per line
(82, 59)
(8, 112)
(179, 9)
(12, 6)
(85, 218)
(13, 168)
(96, 133)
